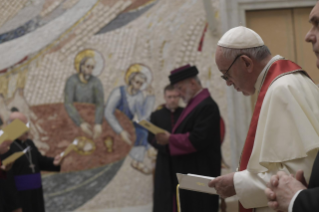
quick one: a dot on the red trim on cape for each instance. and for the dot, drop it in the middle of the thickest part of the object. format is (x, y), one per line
(278, 68)
(222, 130)
(200, 46)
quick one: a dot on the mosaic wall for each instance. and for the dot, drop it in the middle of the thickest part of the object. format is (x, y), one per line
(68, 65)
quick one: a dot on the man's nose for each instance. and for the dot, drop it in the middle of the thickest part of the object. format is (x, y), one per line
(311, 37)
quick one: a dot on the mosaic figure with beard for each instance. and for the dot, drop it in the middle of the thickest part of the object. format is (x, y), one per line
(83, 87)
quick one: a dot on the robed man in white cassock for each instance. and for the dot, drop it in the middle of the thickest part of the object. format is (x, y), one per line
(288, 193)
(284, 130)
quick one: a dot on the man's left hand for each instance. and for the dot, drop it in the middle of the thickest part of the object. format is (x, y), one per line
(224, 185)
(58, 160)
(281, 189)
(162, 138)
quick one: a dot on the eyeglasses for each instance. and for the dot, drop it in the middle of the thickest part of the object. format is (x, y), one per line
(226, 78)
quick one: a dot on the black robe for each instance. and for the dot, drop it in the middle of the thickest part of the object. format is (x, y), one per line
(201, 126)
(1, 197)
(163, 179)
(2, 176)
(308, 200)
(30, 200)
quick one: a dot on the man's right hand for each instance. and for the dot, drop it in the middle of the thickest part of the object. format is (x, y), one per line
(126, 137)
(4, 147)
(7, 167)
(224, 185)
(86, 128)
(301, 178)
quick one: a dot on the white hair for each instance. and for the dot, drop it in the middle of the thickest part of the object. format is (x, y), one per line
(198, 80)
(257, 53)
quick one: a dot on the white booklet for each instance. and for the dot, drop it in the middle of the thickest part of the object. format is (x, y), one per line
(195, 182)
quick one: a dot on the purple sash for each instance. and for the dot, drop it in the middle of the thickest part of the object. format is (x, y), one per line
(28, 182)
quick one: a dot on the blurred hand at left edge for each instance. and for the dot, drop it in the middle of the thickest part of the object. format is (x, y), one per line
(6, 167)
(4, 147)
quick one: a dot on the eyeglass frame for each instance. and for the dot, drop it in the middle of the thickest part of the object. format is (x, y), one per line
(224, 75)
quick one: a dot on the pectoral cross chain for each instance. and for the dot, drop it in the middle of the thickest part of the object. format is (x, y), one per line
(32, 166)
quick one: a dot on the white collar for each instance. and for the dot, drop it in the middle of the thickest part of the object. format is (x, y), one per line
(264, 71)
(198, 93)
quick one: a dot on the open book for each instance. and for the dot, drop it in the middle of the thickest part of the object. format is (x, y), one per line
(14, 156)
(195, 183)
(151, 127)
(13, 131)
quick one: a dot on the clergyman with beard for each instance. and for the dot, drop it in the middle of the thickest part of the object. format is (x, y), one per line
(83, 87)
(194, 144)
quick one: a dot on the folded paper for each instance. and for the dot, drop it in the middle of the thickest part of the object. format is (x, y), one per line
(13, 131)
(195, 183)
(12, 158)
(69, 149)
(151, 127)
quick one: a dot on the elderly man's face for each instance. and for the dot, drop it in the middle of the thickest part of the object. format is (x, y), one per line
(238, 75)
(184, 89)
(87, 68)
(137, 82)
(313, 34)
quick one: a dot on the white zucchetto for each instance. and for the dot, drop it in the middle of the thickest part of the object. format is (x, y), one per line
(240, 38)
